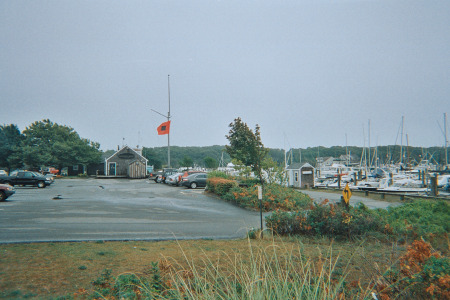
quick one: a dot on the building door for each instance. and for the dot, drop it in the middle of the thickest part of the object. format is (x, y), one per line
(112, 169)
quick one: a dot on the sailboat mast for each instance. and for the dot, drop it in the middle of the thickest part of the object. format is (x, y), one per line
(346, 150)
(401, 142)
(370, 159)
(446, 140)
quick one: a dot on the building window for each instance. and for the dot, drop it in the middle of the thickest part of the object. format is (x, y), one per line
(75, 168)
(296, 176)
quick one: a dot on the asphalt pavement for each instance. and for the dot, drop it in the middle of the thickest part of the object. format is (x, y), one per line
(319, 196)
(118, 209)
(124, 209)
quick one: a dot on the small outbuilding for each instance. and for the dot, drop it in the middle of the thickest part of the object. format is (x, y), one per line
(300, 175)
(126, 162)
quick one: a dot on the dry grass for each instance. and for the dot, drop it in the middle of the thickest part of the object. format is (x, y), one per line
(48, 270)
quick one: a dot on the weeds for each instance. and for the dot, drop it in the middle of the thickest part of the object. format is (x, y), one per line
(421, 272)
(272, 272)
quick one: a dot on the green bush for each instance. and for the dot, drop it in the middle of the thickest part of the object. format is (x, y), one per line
(249, 182)
(220, 174)
(326, 219)
(220, 186)
(419, 218)
(274, 197)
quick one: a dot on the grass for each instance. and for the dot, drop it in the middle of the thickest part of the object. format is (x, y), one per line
(49, 270)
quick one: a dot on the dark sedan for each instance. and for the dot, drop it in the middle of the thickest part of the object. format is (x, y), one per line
(6, 191)
(195, 180)
(26, 178)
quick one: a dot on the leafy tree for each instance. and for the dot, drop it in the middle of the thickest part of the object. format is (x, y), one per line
(274, 172)
(210, 162)
(186, 162)
(239, 166)
(154, 159)
(10, 146)
(246, 146)
(47, 143)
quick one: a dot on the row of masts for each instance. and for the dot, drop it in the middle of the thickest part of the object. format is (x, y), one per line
(369, 156)
(373, 160)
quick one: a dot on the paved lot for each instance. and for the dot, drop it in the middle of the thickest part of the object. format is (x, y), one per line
(113, 209)
(319, 196)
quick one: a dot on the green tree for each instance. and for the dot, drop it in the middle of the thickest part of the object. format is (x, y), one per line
(154, 159)
(246, 146)
(275, 173)
(210, 162)
(186, 162)
(47, 143)
(10, 147)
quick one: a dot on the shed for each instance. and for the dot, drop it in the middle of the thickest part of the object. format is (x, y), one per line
(126, 162)
(300, 175)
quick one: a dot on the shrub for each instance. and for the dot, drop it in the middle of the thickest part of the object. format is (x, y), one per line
(249, 182)
(326, 219)
(275, 197)
(419, 218)
(421, 273)
(220, 186)
(288, 223)
(220, 174)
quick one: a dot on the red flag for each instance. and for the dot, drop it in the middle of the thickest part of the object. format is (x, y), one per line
(164, 128)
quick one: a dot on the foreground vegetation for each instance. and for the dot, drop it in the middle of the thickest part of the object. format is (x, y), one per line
(312, 251)
(273, 268)
(423, 271)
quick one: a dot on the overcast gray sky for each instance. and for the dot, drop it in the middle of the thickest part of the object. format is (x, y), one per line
(308, 72)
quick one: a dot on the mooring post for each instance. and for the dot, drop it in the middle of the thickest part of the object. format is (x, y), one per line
(434, 185)
(339, 181)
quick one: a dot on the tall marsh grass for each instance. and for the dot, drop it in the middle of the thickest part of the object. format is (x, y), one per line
(271, 272)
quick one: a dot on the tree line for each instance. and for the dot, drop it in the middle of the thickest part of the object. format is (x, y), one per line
(45, 143)
(391, 154)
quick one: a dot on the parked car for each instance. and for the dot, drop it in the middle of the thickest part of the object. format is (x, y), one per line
(6, 191)
(195, 180)
(50, 177)
(156, 176)
(165, 173)
(26, 178)
(50, 170)
(174, 179)
(190, 172)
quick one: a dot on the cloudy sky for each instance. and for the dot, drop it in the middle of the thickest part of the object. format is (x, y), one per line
(308, 72)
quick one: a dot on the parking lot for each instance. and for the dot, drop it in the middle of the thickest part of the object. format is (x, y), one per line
(118, 209)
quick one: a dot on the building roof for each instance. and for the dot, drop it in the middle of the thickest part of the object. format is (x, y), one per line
(298, 166)
(128, 149)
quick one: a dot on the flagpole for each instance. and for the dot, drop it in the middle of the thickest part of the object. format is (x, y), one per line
(168, 119)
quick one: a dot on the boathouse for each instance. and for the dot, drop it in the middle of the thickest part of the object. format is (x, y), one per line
(126, 162)
(300, 175)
